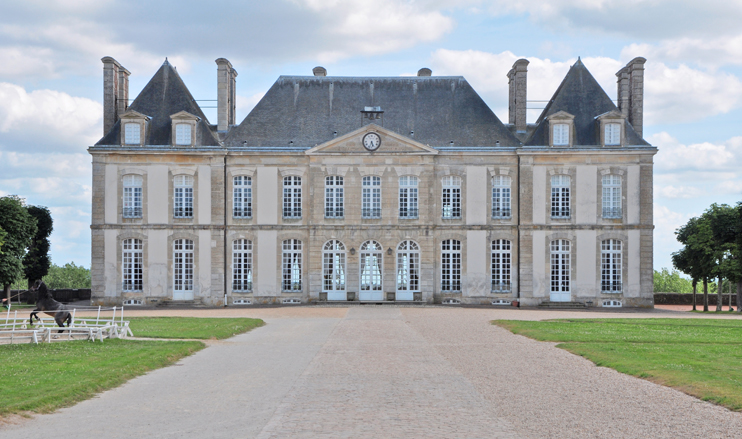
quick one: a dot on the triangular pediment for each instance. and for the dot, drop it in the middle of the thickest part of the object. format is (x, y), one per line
(561, 115)
(131, 114)
(184, 115)
(391, 143)
(614, 114)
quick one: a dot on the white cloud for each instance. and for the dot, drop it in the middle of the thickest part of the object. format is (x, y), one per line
(679, 192)
(705, 157)
(245, 104)
(666, 221)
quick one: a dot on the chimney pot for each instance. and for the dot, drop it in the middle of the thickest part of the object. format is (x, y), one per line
(226, 94)
(319, 71)
(631, 93)
(517, 84)
(115, 92)
(424, 72)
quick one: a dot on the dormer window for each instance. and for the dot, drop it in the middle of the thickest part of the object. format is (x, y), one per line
(561, 126)
(612, 134)
(561, 134)
(132, 133)
(183, 134)
(610, 127)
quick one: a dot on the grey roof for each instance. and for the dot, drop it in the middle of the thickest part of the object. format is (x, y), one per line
(307, 110)
(580, 95)
(164, 95)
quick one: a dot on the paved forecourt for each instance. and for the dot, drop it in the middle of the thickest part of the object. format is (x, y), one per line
(370, 371)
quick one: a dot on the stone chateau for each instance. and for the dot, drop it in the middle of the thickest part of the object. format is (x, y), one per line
(372, 189)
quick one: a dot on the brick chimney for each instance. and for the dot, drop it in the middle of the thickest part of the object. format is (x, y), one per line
(517, 81)
(226, 94)
(115, 92)
(631, 93)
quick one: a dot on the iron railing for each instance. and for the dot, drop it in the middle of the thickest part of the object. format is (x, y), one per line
(612, 212)
(371, 212)
(132, 212)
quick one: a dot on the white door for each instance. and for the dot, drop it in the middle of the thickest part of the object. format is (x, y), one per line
(408, 270)
(371, 272)
(333, 270)
(182, 269)
(560, 271)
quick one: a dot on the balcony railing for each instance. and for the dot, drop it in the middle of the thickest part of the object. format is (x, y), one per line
(607, 286)
(337, 212)
(241, 286)
(132, 286)
(371, 212)
(501, 287)
(453, 286)
(291, 286)
(450, 212)
(408, 213)
(245, 212)
(132, 212)
(186, 212)
(292, 213)
(560, 213)
(500, 213)
(612, 212)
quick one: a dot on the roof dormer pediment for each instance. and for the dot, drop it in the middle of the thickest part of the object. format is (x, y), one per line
(561, 115)
(184, 115)
(134, 115)
(389, 143)
(615, 114)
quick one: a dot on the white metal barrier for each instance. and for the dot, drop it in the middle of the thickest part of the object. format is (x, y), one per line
(18, 329)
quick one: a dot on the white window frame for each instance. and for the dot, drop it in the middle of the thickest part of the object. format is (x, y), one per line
(501, 265)
(451, 197)
(560, 196)
(334, 196)
(292, 197)
(612, 134)
(291, 266)
(132, 263)
(408, 267)
(451, 266)
(560, 265)
(408, 197)
(334, 273)
(371, 197)
(183, 265)
(501, 196)
(612, 196)
(183, 134)
(560, 134)
(183, 196)
(132, 207)
(242, 272)
(242, 197)
(371, 266)
(611, 266)
(132, 133)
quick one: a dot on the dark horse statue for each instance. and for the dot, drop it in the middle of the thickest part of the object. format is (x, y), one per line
(45, 303)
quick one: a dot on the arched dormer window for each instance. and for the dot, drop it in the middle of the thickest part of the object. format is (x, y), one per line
(184, 128)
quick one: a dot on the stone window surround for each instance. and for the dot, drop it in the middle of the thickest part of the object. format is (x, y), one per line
(493, 171)
(322, 254)
(514, 249)
(172, 173)
(231, 238)
(181, 234)
(137, 118)
(183, 117)
(120, 195)
(399, 196)
(126, 295)
(245, 171)
(438, 249)
(607, 118)
(612, 170)
(439, 176)
(561, 117)
(571, 171)
(624, 238)
(279, 254)
(291, 171)
(570, 236)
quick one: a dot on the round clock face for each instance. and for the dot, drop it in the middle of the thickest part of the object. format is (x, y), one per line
(371, 141)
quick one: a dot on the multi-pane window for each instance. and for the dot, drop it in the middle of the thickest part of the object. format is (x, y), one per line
(183, 134)
(610, 266)
(291, 265)
(334, 197)
(132, 265)
(560, 134)
(242, 265)
(371, 197)
(408, 196)
(333, 266)
(451, 265)
(183, 196)
(242, 197)
(292, 197)
(612, 134)
(408, 267)
(612, 196)
(451, 196)
(371, 263)
(132, 134)
(560, 187)
(183, 265)
(500, 266)
(132, 196)
(501, 196)
(560, 265)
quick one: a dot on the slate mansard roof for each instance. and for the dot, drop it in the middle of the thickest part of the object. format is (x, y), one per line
(309, 110)
(580, 94)
(164, 95)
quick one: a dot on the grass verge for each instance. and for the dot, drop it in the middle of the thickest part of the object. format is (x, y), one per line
(700, 357)
(200, 328)
(45, 377)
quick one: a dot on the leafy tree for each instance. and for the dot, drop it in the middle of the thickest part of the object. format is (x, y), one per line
(20, 227)
(68, 276)
(2, 239)
(697, 258)
(36, 263)
(723, 220)
(666, 281)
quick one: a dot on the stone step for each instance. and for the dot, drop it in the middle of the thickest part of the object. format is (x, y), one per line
(180, 304)
(562, 305)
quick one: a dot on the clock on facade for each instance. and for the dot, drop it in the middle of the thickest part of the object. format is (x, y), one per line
(371, 141)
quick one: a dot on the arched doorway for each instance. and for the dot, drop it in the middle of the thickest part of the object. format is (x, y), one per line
(371, 271)
(408, 270)
(333, 270)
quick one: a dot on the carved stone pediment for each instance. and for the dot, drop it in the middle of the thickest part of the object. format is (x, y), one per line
(352, 143)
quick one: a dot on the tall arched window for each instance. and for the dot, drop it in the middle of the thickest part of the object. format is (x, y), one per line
(408, 270)
(333, 270)
(408, 196)
(612, 196)
(183, 196)
(451, 196)
(132, 196)
(242, 200)
(371, 271)
(451, 265)
(334, 197)
(610, 266)
(560, 270)
(292, 197)
(183, 265)
(242, 265)
(560, 188)
(500, 266)
(371, 197)
(500, 196)
(131, 265)
(291, 265)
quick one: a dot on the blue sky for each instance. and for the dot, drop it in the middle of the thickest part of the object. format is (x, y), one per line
(51, 76)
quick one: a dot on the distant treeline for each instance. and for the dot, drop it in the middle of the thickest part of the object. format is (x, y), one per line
(68, 276)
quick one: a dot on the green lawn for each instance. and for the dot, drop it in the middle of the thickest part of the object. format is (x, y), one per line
(701, 357)
(191, 327)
